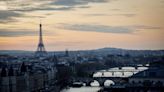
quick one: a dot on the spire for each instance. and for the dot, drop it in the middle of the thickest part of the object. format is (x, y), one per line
(40, 33)
(11, 71)
(23, 68)
(40, 49)
(55, 59)
(66, 53)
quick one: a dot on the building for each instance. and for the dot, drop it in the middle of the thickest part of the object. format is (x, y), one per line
(27, 80)
(41, 51)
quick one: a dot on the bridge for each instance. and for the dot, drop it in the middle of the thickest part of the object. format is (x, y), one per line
(117, 75)
(122, 72)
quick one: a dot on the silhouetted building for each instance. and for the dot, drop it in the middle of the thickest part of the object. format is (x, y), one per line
(25, 80)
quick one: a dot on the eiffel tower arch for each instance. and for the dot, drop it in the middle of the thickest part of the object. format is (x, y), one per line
(41, 51)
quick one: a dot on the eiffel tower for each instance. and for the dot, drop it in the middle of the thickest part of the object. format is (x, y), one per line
(40, 49)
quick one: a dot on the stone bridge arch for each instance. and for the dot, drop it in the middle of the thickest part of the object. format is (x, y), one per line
(116, 80)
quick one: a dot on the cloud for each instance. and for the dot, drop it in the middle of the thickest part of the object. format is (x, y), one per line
(76, 2)
(6, 16)
(16, 8)
(126, 15)
(16, 33)
(84, 6)
(96, 28)
(101, 14)
(46, 9)
(33, 5)
(141, 27)
(24, 4)
(115, 9)
(105, 28)
(96, 14)
(65, 43)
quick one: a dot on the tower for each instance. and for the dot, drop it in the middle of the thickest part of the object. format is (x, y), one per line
(66, 53)
(40, 49)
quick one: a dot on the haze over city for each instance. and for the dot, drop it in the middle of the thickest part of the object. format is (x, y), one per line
(82, 24)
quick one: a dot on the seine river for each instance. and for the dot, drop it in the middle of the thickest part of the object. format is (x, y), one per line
(82, 89)
(106, 74)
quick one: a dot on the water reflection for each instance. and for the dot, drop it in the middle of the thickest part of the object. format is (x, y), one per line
(82, 89)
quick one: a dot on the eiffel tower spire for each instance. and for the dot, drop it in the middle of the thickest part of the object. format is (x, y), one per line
(40, 49)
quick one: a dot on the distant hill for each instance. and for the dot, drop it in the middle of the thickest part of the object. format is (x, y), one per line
(101, 51)
(126, 51)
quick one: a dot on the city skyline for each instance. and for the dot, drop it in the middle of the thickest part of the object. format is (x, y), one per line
(82, 24)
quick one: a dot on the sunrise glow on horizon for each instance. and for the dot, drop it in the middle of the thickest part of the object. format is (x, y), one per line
(82, 24)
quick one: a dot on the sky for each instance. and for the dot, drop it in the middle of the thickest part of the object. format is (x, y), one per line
(82, 24)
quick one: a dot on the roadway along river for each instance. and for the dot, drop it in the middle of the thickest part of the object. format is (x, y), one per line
(82, 89)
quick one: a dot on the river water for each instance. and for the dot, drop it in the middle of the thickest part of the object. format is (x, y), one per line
(82, 89)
